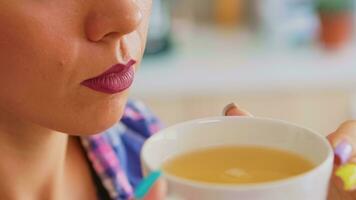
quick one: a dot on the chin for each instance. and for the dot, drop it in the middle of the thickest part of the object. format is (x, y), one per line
(97, 120)
(89, 124)
(92, 128)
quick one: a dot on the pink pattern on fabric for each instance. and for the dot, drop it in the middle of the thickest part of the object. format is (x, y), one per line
(103, 158)
(104, 149)
(96, 164)
(113, 162)
(129, 112)
(154, 128)
(118, 145)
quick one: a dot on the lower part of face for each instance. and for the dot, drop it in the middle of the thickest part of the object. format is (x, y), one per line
(45, 55)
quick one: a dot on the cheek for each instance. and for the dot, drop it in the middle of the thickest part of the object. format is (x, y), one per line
(36, 70)
(29, 59)
(39, 82)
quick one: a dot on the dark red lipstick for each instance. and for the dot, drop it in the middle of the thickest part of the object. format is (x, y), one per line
(114, 80)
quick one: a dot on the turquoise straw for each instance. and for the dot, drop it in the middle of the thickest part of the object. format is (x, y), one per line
(145, 185)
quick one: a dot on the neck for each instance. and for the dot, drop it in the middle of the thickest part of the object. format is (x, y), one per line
(32, 160)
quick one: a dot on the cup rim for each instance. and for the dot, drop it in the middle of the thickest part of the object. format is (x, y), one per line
(241, 187)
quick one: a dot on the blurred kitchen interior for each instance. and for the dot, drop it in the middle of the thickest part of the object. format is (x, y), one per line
(288, 59)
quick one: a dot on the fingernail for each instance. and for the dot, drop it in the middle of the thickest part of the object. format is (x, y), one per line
(228, 107)
(145, 185)
(347, 173)
(342, 152)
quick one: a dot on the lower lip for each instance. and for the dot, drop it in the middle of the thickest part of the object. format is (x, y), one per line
(112, 83)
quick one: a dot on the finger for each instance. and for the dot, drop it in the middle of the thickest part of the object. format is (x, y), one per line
(233, 109)
(336, 190)
(157, 192)
(343, 141)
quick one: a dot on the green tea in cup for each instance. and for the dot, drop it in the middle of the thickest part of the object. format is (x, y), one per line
(237, 165)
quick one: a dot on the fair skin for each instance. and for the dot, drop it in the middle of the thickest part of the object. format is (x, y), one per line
(47, 48)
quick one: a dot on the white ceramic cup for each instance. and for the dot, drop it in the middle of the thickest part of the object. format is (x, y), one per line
(218, 131)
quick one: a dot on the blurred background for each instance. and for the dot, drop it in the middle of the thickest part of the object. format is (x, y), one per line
(288, 59)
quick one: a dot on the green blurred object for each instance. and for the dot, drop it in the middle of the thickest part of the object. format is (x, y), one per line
(146, 184)
(159, 33)
(335, 6)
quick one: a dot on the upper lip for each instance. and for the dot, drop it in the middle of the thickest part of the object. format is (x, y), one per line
(117, 68)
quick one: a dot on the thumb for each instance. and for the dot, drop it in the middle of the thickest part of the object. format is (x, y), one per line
(343, 141)
(233, 109)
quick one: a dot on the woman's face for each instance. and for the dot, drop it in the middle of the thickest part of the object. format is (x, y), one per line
(48, 48)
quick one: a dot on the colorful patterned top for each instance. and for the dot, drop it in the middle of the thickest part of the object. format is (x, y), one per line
(114, 155)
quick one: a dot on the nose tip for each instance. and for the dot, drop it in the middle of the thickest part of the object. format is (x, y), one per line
(117, 19)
